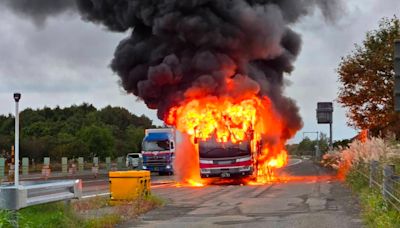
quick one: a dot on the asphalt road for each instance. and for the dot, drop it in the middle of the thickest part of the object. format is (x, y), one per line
(305, 196)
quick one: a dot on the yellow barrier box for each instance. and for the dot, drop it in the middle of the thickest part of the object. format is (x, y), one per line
(129, 185)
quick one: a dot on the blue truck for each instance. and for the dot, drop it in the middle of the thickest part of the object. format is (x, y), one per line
(158, 150)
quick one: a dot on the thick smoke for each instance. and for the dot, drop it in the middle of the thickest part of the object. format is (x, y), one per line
(39, 10)
(177, 47)
(181, 49)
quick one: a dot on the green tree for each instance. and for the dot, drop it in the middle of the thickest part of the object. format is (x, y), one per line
(79, 130)
(36, 147)
(341, 143)
(323, 143)
(306, 147)
(292, 149)
(367, 79)
(99, 140)
(134, 138)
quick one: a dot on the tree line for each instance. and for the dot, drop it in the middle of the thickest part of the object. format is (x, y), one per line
(76, 131)
(308, 146)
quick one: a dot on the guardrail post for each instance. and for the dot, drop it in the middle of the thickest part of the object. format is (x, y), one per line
(372, 172)
(108, 163)
(64, 165)
(387, 187)
(95, 168)
(2, 168)
(120, 162)
(46, 168)
(25, 166)
(96, 161)
(46, 161)
(80, 164)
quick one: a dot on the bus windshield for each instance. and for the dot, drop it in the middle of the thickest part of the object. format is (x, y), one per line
(223, 150)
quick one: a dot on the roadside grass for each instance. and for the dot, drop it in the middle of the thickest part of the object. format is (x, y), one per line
(45, 215)
(376, 212)
(91, 213)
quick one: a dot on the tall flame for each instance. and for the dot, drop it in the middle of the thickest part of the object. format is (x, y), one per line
(231, 120)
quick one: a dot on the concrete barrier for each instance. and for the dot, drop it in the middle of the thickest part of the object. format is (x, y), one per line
(25, 166)
(64, 165)
(108, 163)
(80, 164)
(2, 168)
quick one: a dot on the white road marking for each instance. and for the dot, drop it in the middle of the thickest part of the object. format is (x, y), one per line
(94, 195)
(297, 161)
(94, 181)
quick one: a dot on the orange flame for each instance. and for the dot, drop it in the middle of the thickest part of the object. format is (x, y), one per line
(363, 135)
(230, 120)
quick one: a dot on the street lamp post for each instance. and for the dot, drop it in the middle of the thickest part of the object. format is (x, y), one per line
(17, 97)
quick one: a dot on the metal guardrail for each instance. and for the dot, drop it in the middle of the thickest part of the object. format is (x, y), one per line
(383, 177)
(28, 193)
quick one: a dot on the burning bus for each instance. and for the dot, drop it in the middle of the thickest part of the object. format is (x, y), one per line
(233, 138)
(227, 159)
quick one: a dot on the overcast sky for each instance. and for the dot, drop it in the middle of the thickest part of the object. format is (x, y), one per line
(66, 60)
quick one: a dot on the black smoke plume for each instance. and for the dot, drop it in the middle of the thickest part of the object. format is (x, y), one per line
(178, 47)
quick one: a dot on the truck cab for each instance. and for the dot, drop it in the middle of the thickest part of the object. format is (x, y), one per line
(158, 150)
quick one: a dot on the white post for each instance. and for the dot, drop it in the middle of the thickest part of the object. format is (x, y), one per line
(17, 96)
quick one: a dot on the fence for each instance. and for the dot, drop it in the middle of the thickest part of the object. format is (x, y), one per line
(63, 167)
(384, 178)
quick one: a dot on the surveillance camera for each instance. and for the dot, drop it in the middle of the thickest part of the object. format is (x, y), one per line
(17, 97)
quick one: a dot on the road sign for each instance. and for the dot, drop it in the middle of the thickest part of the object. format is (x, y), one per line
(324, 112)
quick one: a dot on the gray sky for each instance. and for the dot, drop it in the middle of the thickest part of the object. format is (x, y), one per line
(65, 62)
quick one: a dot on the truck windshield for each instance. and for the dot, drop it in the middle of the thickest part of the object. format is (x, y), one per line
(156, 145)
(223, 150)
